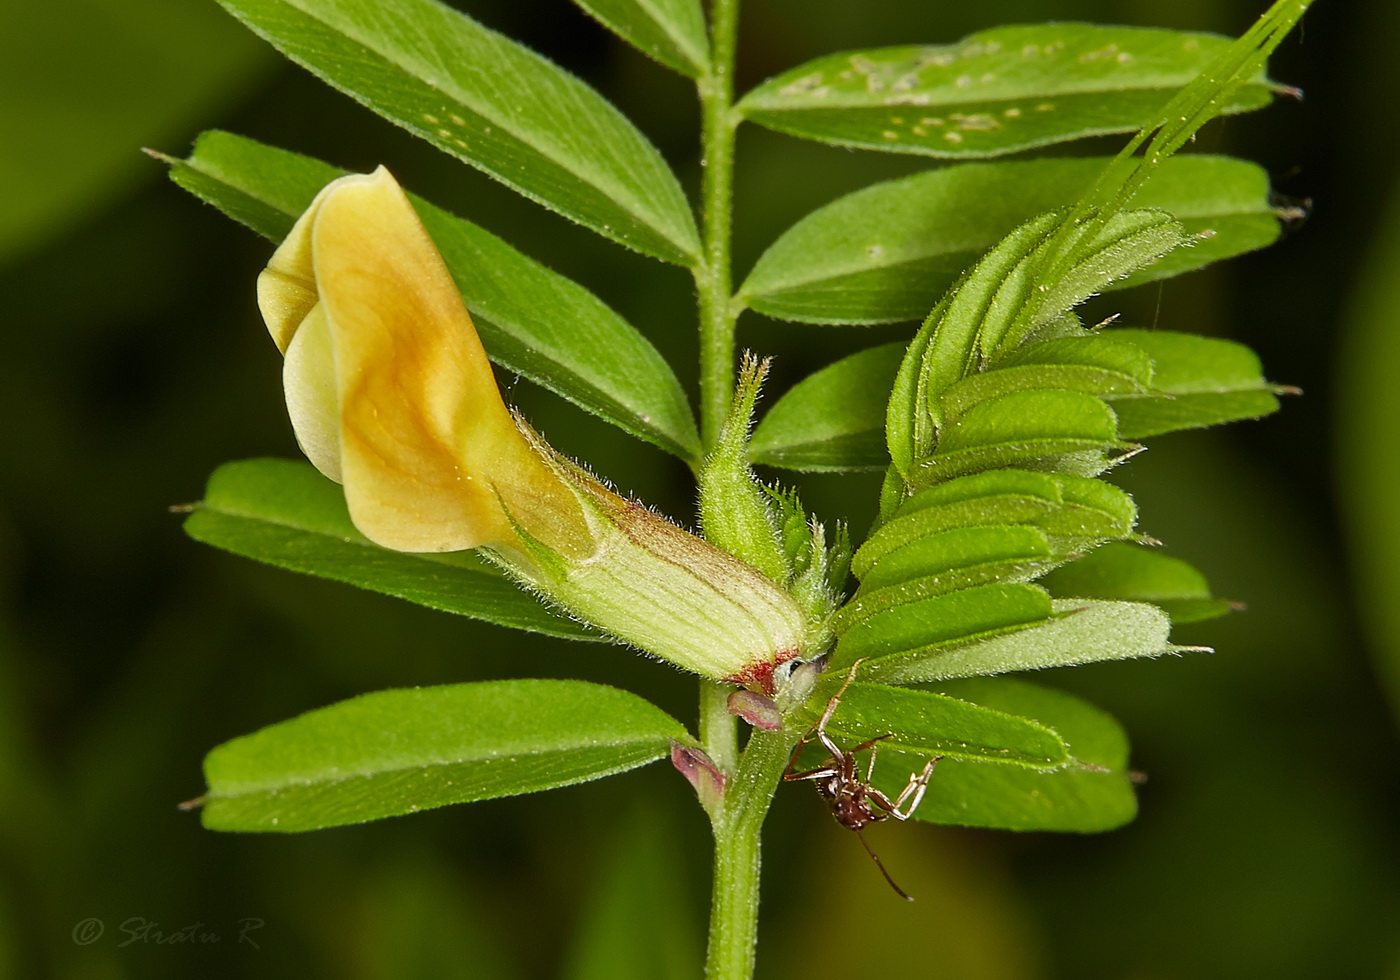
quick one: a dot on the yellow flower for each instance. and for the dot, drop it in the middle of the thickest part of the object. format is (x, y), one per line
(391, 395)
(387, 385)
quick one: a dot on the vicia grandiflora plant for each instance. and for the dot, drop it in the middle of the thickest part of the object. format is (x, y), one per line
(998, 546)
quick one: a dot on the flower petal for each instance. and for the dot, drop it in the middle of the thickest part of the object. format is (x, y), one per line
(313, 404)
(429, 453)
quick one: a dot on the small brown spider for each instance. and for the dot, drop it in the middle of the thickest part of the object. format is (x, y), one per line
(853, 801)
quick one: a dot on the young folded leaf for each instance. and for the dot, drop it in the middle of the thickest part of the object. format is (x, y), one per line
(1080, 511)
(1068, 429)
(1093, 365)
(1080, 631)
(935, 564)
(937, 622)
(1027, 283)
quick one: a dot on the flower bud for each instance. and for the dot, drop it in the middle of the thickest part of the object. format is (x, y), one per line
(391, 394)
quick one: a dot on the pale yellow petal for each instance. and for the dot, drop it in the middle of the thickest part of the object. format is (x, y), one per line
(287, 287)
(309, 379)
(428, 451)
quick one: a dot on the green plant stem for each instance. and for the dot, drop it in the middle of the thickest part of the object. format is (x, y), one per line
(713, 275)
(753, 777)
(737, 826)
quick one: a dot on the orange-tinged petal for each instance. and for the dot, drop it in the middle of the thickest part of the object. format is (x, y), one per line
(428, 452)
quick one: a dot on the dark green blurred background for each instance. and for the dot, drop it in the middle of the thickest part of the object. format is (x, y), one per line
(134, 362)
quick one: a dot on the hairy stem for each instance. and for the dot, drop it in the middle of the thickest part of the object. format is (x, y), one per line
(713, 275)
(753, 777)
(737, 826)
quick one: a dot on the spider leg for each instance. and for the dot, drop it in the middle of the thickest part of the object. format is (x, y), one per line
(792, 759)
(881, 800)
(915, 787)
(881, 865)
(826, 772)
(831, 747)
(836, 698)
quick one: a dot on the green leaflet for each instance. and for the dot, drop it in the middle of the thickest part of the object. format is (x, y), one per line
(492, 103)
(1020, 428)
(933, 724)
(671, 31)
(1091, 365)
(994, 92)
(396, 752)
(937, 622)
(884, 253)
(1083, 511)
(824, 422)
(1094, 793)
(1131, 571)
(956, 559)
(1197, 381)
(532, 320)
(1081, 631)
(286, 514)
